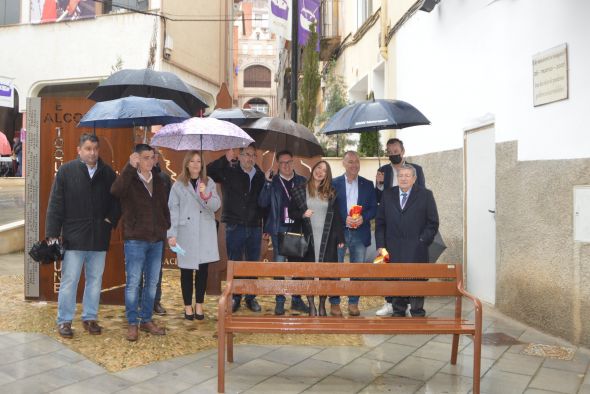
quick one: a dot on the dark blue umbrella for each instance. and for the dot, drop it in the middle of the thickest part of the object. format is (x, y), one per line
(374, 115)
(133, 111)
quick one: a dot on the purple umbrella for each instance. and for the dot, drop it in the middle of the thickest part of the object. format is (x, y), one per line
(201, 134)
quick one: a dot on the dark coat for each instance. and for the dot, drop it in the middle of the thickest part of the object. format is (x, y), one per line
(145, 217)
(240, 199)
(407, 233)
(271, 197)
(388, 178)
(332, 235)
(366, 199)
(79, 205)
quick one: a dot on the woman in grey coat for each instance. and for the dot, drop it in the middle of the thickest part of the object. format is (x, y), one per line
(193, 202)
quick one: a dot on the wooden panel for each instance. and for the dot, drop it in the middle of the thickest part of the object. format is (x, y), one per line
(342, 288)
(345, 270)
(59, 139)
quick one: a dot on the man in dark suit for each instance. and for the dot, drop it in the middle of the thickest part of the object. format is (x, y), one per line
(387, 177)
(352, 189)
(406, 222)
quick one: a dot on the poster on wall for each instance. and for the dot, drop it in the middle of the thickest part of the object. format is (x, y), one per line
(309, 13)
(48, 11)
(6, 92)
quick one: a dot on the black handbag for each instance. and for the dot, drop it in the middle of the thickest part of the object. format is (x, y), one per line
(293, 244)
(42, 252)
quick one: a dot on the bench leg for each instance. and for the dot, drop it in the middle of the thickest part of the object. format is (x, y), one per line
(454, 349)
(220, 362)
(476, 362)
(230, 347)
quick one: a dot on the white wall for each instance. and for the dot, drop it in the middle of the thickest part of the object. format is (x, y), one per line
(74, 51)
(470, 58)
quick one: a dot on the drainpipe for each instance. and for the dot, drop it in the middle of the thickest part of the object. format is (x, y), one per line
(384, 29)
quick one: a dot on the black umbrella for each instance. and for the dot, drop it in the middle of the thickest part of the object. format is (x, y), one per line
(374, 115)
(276, 133)
(436, 248)
(149, 83)
(237, 116)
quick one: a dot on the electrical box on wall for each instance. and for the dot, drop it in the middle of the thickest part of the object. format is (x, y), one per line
(582, 213)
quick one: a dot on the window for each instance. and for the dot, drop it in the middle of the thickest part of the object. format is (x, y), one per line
(257, 104)
(364, 9)
(9, 12)
(257, 77)
(109, 6)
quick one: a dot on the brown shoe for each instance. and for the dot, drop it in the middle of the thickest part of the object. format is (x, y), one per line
(353, 310)
(335, 310)
(92, 327)
(152, 328)
(132, 333)
(65, 330)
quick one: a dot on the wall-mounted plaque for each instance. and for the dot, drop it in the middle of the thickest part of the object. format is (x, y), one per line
(550, 78)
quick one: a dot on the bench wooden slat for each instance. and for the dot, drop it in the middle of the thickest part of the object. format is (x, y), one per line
(344, 270)
(343, 288)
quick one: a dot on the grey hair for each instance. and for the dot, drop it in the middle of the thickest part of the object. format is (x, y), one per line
(87, 137)
(350, 152)
(408, 167)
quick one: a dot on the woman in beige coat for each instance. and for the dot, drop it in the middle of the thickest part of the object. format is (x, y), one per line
(193, 203)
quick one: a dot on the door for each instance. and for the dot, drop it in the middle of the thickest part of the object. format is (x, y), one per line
(480, 203)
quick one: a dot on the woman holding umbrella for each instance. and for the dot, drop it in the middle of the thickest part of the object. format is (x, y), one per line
(193, 203)
(313, 205)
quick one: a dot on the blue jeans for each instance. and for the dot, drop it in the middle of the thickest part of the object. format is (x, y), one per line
(71, 267)
(278, 258)
(142, 258)
(243, 243)
(357, 251)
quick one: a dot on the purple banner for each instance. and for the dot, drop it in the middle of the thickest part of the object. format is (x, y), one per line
(309, 13)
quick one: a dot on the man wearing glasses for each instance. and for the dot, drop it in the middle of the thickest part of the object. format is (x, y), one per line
(241, 183)
(275, 196)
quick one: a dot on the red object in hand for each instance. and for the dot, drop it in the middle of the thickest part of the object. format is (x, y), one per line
(355, 212)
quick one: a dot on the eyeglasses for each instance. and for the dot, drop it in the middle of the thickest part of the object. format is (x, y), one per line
(284, 163)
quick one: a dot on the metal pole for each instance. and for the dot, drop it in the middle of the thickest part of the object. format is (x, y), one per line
(294, 57)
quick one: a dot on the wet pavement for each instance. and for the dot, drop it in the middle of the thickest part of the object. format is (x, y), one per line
(511, 363)
(12, 203)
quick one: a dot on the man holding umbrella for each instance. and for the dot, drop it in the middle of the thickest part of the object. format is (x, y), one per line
(275, 196)
(241, 184)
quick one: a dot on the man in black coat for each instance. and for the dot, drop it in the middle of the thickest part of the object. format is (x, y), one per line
(241, 183)
(83, 212)
(406, 222)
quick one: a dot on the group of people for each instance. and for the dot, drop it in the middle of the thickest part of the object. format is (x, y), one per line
(88, 199)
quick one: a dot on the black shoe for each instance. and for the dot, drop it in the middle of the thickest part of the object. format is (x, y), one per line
(189, 317)
(159, 309)
(280, 308)
(65, 330)
(253, 305)
(299, 305)
(199, 317)
(399, 314)
(235, 304)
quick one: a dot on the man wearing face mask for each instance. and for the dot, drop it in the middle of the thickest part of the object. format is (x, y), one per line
(387, 177)
(387, 174)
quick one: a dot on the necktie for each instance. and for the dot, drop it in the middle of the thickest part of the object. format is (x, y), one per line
(404, 199)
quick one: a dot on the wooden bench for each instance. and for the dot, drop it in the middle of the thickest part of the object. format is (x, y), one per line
(445, 280)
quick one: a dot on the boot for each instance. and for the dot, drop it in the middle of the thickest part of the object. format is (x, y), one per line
(322, 311)
(312, 310)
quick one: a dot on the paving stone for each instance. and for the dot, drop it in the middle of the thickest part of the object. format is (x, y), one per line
(106, 383)
(32, 366)
(442, 383)
(340, 354)
(390, 352)
(210, 387)
(163, 383)
(435, 351)
(335, 384)
(487, 351)
(375, 340)
(137, 375)
(464, 366)
(585, 389)
(464, 340)
(533, 336)
(291, 355)
(363, 370)
(578, 364)
(518, 363)
(69, 355)
(4, 378)
(40, 383)
(411, 340)
(254, 372)
(278, 384)
(500, 382)
(537, 391)
(78, 371)
(195, 372)
(392, 384)
(557, 380)
(310, 370)
(417, 368)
